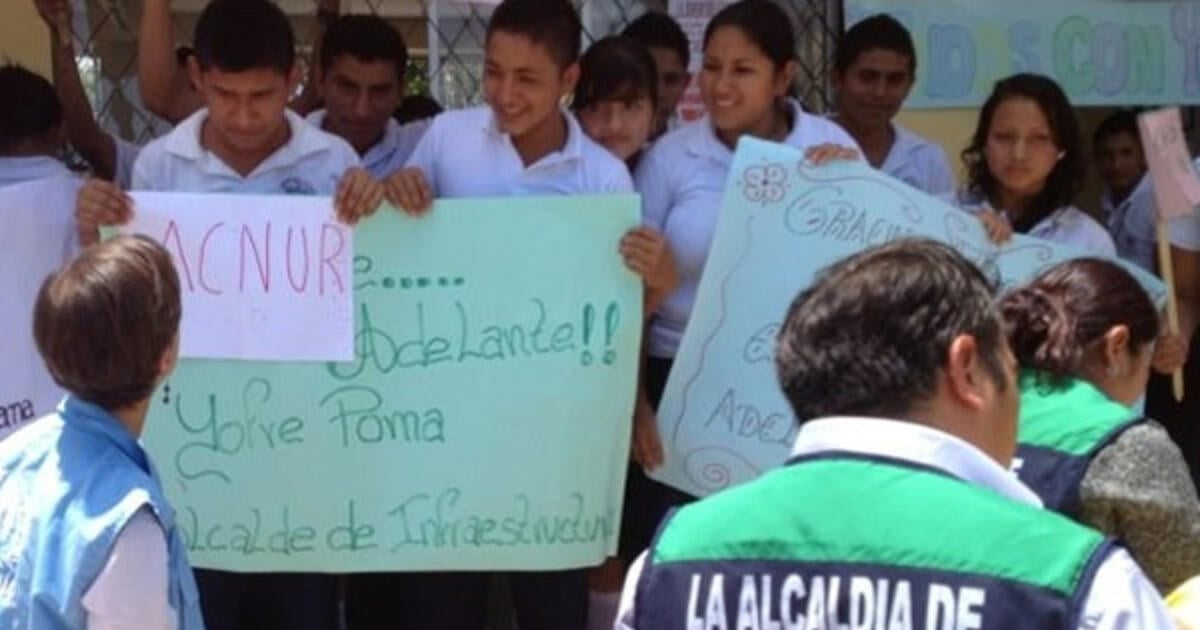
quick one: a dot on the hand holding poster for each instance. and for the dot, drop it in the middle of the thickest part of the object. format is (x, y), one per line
(723, 418)
(482, 423)
(37, 239)
(258, 274)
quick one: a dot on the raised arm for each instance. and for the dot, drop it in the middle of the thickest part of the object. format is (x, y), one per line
(85, 134)
(163, 90)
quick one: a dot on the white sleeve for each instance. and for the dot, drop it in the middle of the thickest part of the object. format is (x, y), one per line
(652, 183)
(1184, 232)
(1122, 598)
(425, 153)
(127, 153)
(939, 178)
(629, 594)
(131, 591)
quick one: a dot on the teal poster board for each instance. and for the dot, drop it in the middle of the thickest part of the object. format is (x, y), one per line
(483, 423)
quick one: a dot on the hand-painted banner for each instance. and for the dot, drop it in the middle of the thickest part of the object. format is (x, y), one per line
(37, 239)
(262, 277)
(723, 419)
(483, 422)
(1102, 52)
(1176, 186)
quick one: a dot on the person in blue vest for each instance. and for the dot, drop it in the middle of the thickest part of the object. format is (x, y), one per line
(896, 509)
(1083, 333)
(87, 537)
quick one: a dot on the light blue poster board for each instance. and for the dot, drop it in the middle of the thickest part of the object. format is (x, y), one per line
(1102, 52)
(484, 423)
(723, 419)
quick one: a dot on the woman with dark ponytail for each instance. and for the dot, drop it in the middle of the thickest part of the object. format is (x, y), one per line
(1083, 333)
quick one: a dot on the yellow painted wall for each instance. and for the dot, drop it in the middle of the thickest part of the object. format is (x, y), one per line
(951, 128)
(23, 37)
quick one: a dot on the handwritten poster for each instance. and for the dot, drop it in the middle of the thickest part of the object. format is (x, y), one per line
(37, 239)
(483, 422)
(723, 419)
(1102, 52)
(1176, 186)
(262, 277)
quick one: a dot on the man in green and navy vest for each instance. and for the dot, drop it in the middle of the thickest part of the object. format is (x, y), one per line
(896, 510)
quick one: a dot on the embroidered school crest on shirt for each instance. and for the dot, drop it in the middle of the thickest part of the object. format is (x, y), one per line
(297, 186)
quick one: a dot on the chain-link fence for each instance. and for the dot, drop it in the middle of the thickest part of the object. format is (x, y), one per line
(445, 40)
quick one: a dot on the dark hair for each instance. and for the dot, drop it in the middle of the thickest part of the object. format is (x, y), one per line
(1053, 319)
(1116, 123)
(659, 30)
(553, 24)
(764, 23)
(1065, 180)
(416, 107)
(103, 323)
(871, 334)
(367, 38)
(616, 68)
(878, 32)
(241, 35)
(29, 107)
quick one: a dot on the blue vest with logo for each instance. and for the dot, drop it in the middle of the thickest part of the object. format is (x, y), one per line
(69, 484)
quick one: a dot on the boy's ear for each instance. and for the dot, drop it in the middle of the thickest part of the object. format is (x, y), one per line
(193, 70)
(294, 77)
(570, 77)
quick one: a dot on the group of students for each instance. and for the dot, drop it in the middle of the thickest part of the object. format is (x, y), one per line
(1084, 334)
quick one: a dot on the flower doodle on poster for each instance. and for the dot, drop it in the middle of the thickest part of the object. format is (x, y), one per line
(764, 183)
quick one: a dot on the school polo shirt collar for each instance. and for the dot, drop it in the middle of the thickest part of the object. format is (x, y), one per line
(704, 142)
(911, 442)
(572, 151)
(184, 142)
(905, 144)
(379, 153)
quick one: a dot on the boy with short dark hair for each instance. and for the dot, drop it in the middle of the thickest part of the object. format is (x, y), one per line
(31, 127)
(668, 44)
(247, 141)
(363, 61)
(521, 144)
(873, 71)
(89, 539)
(1121, 163)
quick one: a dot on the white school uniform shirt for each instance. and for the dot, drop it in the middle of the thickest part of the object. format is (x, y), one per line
(1121, 596)
(682, 182)
(392, 151)
(1068, 226)
(919, 163)
(464, 154)
(1131, 224)
(312, 162)
(127, 154)
(18, 170)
